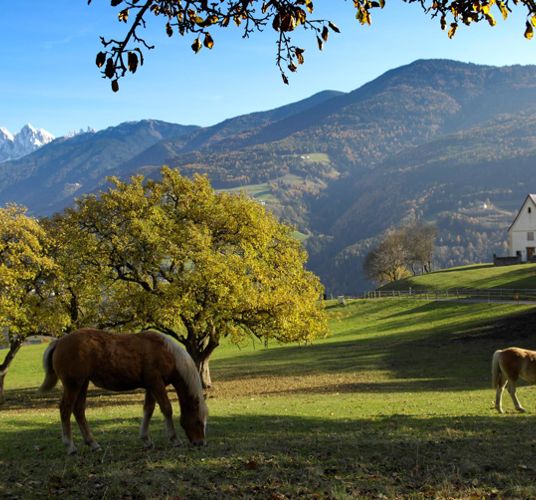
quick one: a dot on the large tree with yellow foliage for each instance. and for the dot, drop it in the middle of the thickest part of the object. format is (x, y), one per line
(27, 302)
(199, 21)
(197, 264)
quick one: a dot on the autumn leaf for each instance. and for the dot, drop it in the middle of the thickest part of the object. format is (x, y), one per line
(208, 42)
(504, 10)
(123, 15)
(100, 59)
(334, 27)
(452, 30)
(196, 46)
(109, 71)
(132, 62)
(299, 54)
(529, 33)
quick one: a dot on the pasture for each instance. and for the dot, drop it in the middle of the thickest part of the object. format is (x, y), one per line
(396, 403)
(478, 276)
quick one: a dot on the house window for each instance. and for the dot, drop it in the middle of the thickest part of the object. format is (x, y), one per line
(530, 236)
(529, 210)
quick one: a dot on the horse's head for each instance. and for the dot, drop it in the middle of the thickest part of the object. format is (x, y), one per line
(194, 423)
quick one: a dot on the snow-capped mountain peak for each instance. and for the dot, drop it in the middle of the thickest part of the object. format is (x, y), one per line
(25, 142)
(5, 135)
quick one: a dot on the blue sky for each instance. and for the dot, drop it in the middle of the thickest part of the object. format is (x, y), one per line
(48, 76)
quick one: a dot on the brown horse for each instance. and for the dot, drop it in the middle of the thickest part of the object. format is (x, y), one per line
(507, 366)
(122, 362)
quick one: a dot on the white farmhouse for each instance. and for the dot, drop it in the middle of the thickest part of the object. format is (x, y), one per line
(521, 242)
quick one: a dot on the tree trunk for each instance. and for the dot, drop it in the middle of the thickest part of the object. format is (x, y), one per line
(14, 347)
(201, 360)
(204, 371)
(200, 346)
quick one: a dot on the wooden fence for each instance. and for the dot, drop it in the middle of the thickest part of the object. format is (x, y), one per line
(491, 294)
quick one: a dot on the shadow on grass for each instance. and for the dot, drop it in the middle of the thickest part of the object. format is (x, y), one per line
(451, 357)
(273, 455)
(31, 398)
(468, 268)
(519, 279)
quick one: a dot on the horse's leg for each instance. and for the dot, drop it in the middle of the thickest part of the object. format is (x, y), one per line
(160, 394)
(80, 415)
(148, 409)
(511, 387)
(498, 397)
(66, 408)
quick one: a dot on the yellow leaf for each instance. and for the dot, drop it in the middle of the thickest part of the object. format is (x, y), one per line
(123, 15)
(208, 42)
(452, 29)
(491, 20)
(196, 46)
(528, 31)
(504, 10)
(299, 55)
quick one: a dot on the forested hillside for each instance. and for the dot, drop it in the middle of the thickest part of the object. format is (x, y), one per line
(437, 140)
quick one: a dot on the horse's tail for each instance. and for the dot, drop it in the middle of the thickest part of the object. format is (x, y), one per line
(51, 377)
(496, 372)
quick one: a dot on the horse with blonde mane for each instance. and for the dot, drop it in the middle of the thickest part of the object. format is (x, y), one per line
(122, 362)
(507, 366)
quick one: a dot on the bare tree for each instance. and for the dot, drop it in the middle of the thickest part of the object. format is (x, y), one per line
(420, 244)
(387, 262)
(408, 248)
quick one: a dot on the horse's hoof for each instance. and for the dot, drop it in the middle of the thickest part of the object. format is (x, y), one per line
(71, 451)
(175, 443)
(95, 446)
(521, 410)
(148, 444)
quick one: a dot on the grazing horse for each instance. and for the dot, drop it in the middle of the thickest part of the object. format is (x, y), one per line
(122, 362)
(507, 366)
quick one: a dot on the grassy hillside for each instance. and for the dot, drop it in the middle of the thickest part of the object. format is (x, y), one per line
(395, 403)
(479, 276)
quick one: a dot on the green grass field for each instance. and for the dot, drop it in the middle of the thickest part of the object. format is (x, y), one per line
(479, 276)
(261, 192)
(396, 403)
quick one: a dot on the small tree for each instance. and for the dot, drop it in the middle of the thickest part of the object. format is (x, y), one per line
(410, 247)
(420, 243)
(387, 261)
(199, 265)
(27, 304)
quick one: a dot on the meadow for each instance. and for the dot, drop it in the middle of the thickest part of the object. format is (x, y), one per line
(395, 403)
(478, 276)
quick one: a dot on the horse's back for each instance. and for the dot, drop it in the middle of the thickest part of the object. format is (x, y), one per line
(516, 362)
(116, 361)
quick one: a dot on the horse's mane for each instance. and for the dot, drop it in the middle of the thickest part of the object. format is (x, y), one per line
(187, 369)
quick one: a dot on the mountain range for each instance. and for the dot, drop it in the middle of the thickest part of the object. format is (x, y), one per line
(436, 140)
(23, 143)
